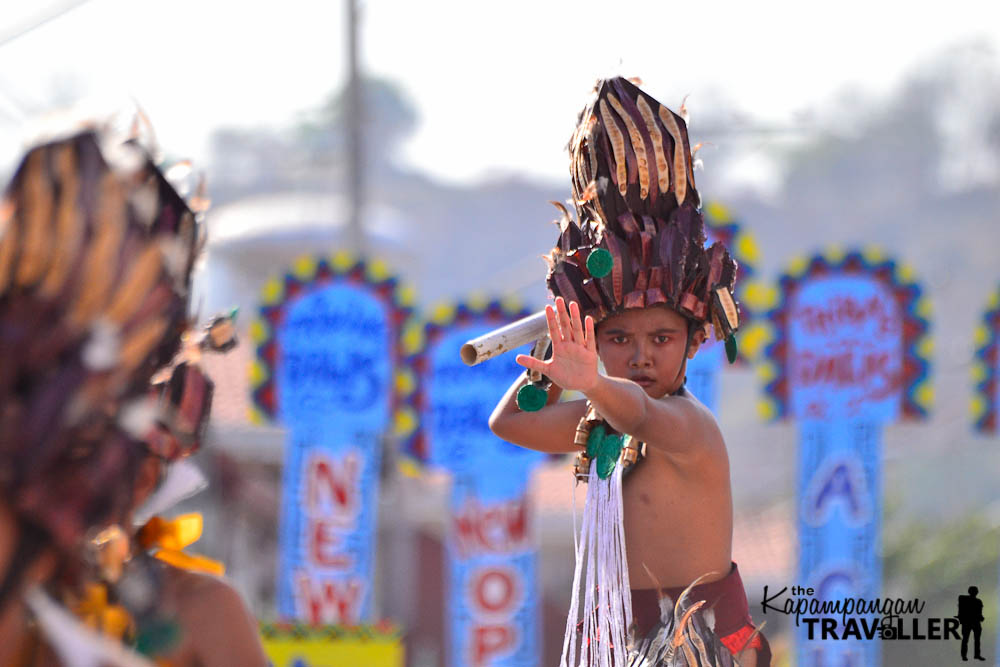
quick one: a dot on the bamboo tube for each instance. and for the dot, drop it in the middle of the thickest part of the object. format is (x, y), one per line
(504, 339)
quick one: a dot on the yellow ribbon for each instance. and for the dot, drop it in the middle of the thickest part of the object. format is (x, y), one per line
(170, 536)
(93, 609)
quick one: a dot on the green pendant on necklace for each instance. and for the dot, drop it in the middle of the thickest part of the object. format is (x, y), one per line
(603, 448)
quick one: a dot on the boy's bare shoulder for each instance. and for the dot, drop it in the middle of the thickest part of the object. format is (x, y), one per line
(219, 629)
(690, 431)
(201, 589)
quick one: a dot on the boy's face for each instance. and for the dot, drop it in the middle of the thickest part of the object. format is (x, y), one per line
(646, 345)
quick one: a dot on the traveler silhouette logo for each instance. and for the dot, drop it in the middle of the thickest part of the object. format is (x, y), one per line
(970, 615)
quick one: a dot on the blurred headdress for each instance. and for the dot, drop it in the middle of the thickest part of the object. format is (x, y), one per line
(639, 237)
(96, 253)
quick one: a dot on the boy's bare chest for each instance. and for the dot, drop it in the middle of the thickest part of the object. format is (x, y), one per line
(678, 524)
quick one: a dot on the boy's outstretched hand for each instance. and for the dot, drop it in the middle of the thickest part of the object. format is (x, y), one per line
(573, 365)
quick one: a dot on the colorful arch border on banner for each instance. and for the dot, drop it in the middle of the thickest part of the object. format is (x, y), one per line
(382, 630)
(311, 271)
(755, 296)
(984, 368)
(422, 334)
(918, 393)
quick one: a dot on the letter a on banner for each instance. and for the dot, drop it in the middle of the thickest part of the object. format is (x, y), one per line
(492, 594)
(327, 354)
(848, 354)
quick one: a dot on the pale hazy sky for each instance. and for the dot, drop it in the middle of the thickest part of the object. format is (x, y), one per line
(497, 85)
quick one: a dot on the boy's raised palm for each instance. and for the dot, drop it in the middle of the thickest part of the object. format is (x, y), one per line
(573, 365)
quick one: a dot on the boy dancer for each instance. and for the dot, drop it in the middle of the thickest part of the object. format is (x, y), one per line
(641, 290)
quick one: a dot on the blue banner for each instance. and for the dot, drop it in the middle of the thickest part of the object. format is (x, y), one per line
(703, 373)
(492, 594)
(839, 519)
(845, 382)
(334, 379)
(492, 574)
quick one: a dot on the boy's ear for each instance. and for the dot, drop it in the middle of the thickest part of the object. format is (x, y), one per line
(699, 337)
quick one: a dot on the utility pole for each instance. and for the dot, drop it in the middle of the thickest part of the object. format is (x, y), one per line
(355, 138)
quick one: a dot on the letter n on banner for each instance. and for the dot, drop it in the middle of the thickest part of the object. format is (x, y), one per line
(849, 354)
(327, 349)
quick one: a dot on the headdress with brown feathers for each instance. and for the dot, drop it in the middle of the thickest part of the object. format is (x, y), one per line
(639, 238)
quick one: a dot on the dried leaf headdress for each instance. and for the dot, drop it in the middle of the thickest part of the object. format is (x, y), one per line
(639, 238)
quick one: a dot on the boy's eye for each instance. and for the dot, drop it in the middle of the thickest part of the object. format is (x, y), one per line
(619, 339)
(662, 339)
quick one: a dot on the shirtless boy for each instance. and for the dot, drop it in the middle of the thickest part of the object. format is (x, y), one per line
(643, 321)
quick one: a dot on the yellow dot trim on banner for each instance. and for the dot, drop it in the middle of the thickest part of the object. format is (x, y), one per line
(924, 395)
(994, 301)
(719, 213)
(766, 371)
(747, 249)
(443, 314)
(408, 467)
(925, 347)
(980, 335)
(760, 296)
(923, 308)
(905, 273)
(413, 338)
(304, 267)
(477, 302)
(754, 339)
(835, 253)
(342, 261)
(272, 292)
(977, 406)
(257, 373)
(259, 331)
(406, 422)
(407, 296)
(406, 383)
(377, 270)
(798, 266)
(511, 304)
(978, 372)
(873, 254)
(766, 409)
(256, 415)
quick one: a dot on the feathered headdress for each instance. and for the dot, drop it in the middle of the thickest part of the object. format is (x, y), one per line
(639, 238)
(96, 252)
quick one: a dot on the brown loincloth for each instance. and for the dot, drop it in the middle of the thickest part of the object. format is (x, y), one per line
(726, 597)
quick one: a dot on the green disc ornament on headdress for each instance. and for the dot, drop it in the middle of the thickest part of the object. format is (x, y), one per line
(638, 239)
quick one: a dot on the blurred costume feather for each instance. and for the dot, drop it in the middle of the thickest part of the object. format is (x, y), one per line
(95, 265)
(96, 368)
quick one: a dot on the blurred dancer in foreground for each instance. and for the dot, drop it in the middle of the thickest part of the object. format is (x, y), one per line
(636, 289)
(96, 252)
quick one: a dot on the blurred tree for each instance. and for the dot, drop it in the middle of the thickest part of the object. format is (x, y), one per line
(936, 562)
(309, 155)
(389, 118)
